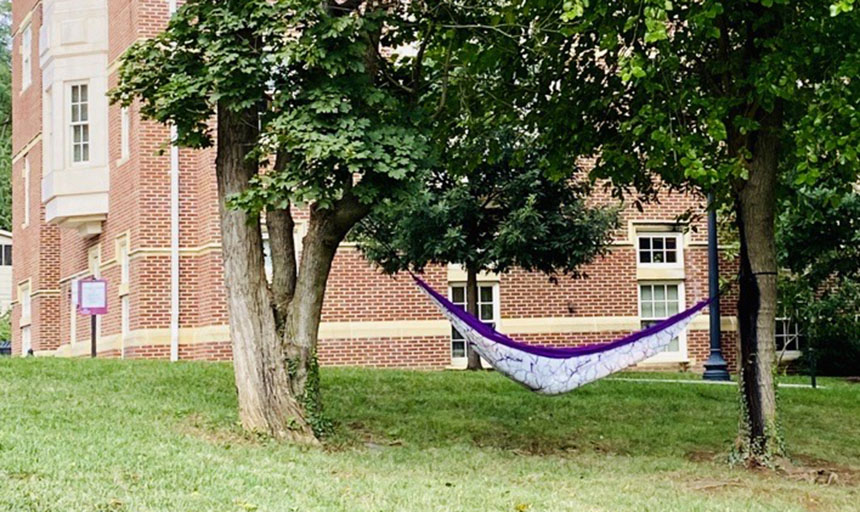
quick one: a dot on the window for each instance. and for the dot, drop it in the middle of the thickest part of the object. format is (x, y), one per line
(488, 307)
(26, 343)
(73, 312)
(24, 298)
(123, 258)
(26, 177)
(94, 261)
(661, 249)
(125, 310)
(124, 128)
(5, 255)
(79, 123)
(26, 57)
(658, 302)
(787, 335)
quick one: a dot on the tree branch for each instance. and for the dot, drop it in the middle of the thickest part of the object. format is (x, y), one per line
(280, 224)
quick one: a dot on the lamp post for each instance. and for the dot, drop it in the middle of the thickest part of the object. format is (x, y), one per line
(716, 367)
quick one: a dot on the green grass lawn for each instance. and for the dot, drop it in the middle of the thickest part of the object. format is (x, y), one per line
(80, 435)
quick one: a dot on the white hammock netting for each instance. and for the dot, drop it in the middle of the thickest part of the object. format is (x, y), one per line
(550, 370)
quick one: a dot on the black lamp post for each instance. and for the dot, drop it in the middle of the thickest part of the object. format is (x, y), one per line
(716, 367)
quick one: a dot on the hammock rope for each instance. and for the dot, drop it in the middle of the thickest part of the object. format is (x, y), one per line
(556, 370)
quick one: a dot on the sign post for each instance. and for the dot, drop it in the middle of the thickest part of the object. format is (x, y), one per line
(92, 301)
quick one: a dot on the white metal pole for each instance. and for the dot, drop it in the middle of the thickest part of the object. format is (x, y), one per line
(174, 246)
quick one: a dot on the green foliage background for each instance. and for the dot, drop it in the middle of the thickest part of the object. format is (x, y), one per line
(5, 115)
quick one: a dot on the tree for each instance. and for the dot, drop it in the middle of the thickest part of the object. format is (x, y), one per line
(721, 96)
(818, 235)
(323, 105)
(5, 115)
(493, 212)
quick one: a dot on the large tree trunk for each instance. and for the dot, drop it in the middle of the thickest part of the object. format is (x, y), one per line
(326, 230)
(473, 358)
(759, 438)
(266, 402)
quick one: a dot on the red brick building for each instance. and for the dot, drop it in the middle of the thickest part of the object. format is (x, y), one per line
(95, 195)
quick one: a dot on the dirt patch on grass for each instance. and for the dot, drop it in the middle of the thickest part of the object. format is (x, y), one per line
(195, 425)
(810, 469)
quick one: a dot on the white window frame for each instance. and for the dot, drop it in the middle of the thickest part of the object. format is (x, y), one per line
(679, 248)
(124, 134)
(123, 258)
(789, 337)
(461, 362)
(125, 314)
(25, 292)
(25, 175)
(26, 57)
(4, 261)
(73, 312)
(26, 340)
(665, 357)
(84, 123)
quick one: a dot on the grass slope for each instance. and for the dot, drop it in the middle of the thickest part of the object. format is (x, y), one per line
(148, 436)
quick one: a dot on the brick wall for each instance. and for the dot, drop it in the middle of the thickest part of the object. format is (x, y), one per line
(139, 208)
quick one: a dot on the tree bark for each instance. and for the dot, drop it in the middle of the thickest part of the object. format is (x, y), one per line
(326, 230)
(266, 403)
(759, 437)
(474, 359)
(280, 225)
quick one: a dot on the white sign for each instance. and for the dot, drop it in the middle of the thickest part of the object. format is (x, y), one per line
(92, 297)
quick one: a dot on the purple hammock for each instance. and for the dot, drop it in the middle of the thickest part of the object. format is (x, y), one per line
(551, 370)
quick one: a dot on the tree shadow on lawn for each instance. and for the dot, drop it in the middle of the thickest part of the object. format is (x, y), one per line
(432, 409)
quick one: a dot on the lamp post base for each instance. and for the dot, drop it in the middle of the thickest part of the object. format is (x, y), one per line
(716, 368)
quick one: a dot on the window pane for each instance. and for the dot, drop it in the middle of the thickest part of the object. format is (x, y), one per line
(77, 153)
(86, 153)
(646, 293)
(76, 113)
(458, 349)
(486, 311)
(671, 243)
(77, 134)
(486, 294)
(658, 257)
(647, 310)
(83, 93)
(644, 257)
(657, 243)
(85, 115)
(458, 295)
(75, 94)
(659, 310)
(455, 334)
(644, 243)
(671, 257)
(659, 293)
(7, 255)
(671, 308)
(85, 133)
(674, 346)
(672, 292)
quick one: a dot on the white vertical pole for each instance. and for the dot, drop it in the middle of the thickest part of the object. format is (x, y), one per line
(174, 245)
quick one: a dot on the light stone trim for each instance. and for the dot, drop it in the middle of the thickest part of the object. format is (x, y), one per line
(659, 273)
(188, 336)
(191, 336)
(27, 148)
(458, 274)
(384, 329)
